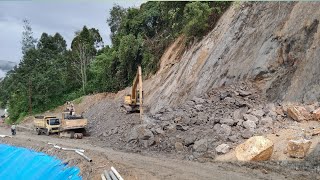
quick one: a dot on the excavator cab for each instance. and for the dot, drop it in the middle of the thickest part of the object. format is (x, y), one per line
(127, 99)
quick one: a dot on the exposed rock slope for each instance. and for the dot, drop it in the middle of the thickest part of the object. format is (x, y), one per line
(276, 45)
(215, 93)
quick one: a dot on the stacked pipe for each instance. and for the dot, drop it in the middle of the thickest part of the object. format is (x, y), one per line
(111, 175)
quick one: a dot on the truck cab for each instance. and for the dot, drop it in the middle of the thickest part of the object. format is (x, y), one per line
(47, 124)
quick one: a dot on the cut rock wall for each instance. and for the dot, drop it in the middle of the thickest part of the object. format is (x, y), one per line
(275, 45)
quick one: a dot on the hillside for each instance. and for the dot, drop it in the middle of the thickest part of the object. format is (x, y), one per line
(260, 57)
(237, 82)
(274, 45)
(6, 65)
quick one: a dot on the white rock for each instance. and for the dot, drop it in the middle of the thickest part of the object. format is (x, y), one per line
(223, 148)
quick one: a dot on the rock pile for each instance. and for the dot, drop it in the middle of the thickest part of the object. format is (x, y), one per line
(203, 127)
(212, 123)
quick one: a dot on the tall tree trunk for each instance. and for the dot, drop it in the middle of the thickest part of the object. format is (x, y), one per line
(82, 65)
(30, 97)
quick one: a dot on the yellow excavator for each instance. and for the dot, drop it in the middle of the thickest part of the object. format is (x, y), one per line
(134, 101)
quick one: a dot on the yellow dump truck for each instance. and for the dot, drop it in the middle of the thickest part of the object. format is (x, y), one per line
(46, 124)
(72, 126)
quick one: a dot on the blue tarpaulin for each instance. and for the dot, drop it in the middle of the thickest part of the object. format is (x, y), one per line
(21, 163)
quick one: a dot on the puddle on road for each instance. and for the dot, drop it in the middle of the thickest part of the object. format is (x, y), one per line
(22, 163)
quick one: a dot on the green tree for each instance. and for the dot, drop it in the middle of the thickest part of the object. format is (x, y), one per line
(196, 18)
(117, 13)
(103, 70)
(49, 80)
(129, 58)
(84, 46)
(28, 42)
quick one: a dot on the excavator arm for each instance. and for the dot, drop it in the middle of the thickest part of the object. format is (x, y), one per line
(134, 95)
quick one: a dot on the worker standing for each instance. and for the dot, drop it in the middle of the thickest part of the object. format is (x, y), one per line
(13, 129)
(72, 109)
(68, 106)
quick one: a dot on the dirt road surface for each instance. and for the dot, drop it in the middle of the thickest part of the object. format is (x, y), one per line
(137, 166)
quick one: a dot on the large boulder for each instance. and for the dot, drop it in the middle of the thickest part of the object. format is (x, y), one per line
(298, 148)
(257, 148)
(298, 113)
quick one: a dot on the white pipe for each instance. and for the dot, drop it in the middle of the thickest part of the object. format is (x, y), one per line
(58, 147)
(103, 177)
(3, 136)
(114, 177)
(67, 149)
(106, 173)
(81, 154)
(71, 149)
(116, 173)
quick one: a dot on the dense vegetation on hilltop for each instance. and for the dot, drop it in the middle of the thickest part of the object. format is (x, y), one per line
(49, 73)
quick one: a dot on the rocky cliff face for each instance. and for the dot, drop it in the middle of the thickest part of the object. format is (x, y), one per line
(274, 45)
(208, 98)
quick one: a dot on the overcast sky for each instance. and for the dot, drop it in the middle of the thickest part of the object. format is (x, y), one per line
(51, 17)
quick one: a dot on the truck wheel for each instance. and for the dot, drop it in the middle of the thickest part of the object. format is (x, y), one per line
(78, 135)
(48, 132)
(38, 131)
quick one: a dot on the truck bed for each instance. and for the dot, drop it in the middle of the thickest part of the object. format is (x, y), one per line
(41, 123)
(73, 124)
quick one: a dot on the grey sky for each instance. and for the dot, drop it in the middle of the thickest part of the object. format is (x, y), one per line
(50, 17)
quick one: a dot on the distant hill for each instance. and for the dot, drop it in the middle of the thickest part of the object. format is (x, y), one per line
(6, 65)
